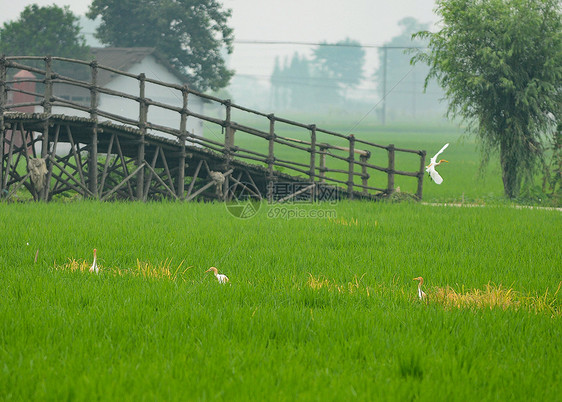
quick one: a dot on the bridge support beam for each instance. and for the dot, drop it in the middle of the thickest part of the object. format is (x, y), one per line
(143, 112)
(47, 107)
(93, 163)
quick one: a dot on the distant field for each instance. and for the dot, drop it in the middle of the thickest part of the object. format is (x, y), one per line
(318, 308)
(462, 179)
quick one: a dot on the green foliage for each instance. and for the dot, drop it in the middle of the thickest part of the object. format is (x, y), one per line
(500, 63)
(291, 83)
(44, 31)
(190, 34)
(322, 80)
(317, 309)
(342, 62)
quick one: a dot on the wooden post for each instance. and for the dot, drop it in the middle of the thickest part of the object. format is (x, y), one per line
(228, 144)
(312, 173)
(364, 175)
(390, 170)
(143, 112)
(182, 139)
(93, 160)
(228, 134)
(47, 108)
(351, 168)
(420, 175)
(2, 128)
(271, 158)
(323, 151)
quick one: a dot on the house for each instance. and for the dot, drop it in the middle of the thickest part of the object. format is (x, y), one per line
(135, 61)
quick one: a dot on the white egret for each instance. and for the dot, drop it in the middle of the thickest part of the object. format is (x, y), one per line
(421, 293)
(433, 163)
(220, 277)
(94, 267)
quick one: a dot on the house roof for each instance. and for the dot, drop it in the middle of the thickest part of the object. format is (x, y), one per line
(123, 58)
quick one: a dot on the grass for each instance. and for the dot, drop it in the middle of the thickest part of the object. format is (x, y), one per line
(318, 309)
(321, 304)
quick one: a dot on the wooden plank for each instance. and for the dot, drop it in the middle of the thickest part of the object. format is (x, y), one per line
(351, 166)
(81, 185)
(125, 180)
(206, 186)
(77, 158)
(390, 172)
(105, 165)
(167, 170)
(124, 164)
(162, 182)
(197, 169)
(419, 192)
(149, 178)
(50, 166)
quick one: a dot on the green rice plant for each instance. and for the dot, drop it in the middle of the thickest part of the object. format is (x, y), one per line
(319, 308)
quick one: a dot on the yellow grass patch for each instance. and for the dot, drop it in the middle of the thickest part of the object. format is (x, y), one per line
(492, 296)
(350, 287)
(163, 270)
(496, 297)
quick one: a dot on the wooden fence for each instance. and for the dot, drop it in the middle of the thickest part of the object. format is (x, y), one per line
(321, 156)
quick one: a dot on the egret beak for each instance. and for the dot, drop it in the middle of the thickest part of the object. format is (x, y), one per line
(443, 160)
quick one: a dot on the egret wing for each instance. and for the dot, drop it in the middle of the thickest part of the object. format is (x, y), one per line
(440, 151)
(435, 176)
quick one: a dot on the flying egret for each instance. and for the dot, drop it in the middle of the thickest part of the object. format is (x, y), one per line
(421, 293)
(94, 267)
(431, 167)
(220, 277)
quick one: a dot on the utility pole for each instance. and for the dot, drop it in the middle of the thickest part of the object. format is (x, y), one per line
(384, 68)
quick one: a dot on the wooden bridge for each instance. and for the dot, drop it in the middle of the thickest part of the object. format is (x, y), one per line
(54, 146)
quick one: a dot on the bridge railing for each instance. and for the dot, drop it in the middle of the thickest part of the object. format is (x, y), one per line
(320, 155)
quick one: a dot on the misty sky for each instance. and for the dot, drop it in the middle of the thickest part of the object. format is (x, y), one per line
(371, 22)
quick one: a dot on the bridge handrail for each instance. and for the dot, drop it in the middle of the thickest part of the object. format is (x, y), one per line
(317, 152)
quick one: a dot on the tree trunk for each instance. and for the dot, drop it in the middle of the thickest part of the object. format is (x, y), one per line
(510, 174)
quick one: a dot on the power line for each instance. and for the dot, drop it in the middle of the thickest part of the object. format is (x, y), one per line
(297, 43)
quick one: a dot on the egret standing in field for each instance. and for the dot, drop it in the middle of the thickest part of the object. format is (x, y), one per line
(421, 293)
(94, 267)
(433, 163)
(220, 277)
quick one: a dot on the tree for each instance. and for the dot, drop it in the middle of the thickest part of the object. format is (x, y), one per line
(191, 34)
(399, 85)
(291, 83)
(42, 31)
(500, 63)
(341, 63)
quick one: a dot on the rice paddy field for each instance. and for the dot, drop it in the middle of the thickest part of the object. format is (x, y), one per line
(319, 307)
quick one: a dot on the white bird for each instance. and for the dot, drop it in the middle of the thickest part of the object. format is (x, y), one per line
(431, 167)
(94, 267)
(220, 277)
(421, 293)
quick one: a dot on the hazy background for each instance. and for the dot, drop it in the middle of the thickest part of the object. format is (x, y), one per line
(294, 28)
